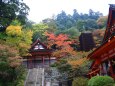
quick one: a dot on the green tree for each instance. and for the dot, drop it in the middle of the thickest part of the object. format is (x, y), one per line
(90, 24)
(61, 20)
(39, 31)
(28, 25)
(70, 22)
(15, 22)
(81, 25)
(52, 27)
(11, 10)
(73, 32)
(62, 65)
(81, 21)
(75, 15)
(94, 15)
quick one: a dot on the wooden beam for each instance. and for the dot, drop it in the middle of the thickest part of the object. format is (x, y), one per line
(102, 50)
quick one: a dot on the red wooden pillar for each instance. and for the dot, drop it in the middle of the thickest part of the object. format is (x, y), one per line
(102, 69)
(111, 69)
(43, 61)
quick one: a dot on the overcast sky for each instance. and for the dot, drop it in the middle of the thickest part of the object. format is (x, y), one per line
(41, 9)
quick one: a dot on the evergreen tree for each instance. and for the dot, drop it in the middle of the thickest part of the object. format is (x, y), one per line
(11, 10)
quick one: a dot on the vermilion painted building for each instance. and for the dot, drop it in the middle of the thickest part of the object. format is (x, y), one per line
(38, 54)
(104, 56)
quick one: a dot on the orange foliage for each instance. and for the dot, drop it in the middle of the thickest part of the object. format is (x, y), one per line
(10, 55)
(78, 62)
(62, 43)
(98, 36)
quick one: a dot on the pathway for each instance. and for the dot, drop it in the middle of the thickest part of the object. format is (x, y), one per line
(41, 77)
(35, 77)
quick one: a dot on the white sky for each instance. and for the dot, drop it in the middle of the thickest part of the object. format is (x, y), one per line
(41, 9)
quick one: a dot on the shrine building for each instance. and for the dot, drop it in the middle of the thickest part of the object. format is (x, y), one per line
(104, 56)
(40, 55)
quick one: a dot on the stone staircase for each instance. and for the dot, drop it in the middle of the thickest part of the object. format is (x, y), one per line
(34, 77)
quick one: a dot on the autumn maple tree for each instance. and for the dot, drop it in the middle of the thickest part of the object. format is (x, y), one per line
(61, 43)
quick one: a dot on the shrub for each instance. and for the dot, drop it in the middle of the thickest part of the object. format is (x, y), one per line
(80, 81)
(100, 81)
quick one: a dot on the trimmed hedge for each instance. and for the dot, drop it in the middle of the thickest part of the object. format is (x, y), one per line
(100, 81)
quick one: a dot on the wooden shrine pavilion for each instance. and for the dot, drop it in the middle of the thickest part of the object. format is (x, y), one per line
(104, 56)
(38, 51)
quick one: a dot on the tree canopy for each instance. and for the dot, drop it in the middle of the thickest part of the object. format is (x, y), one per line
(66, 21)
(11, 10)
(39, 31)
(61, 44)
(18, 38)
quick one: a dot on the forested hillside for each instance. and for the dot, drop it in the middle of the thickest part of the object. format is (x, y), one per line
(74, 24)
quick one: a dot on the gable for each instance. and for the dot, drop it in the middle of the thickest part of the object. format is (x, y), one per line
(38, 46)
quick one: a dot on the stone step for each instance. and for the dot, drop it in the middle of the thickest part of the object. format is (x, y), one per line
(34, 77)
